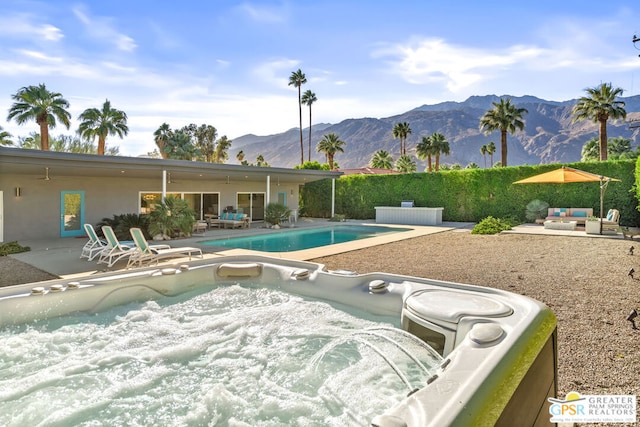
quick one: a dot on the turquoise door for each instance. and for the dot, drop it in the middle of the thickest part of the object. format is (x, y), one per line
(71, 213)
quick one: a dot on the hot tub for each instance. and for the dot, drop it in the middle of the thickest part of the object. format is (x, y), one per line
(492, 354)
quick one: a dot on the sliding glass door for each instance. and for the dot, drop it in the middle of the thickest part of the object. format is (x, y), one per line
(252, 204)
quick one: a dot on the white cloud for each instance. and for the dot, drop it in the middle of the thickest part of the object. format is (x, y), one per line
(433, 60)
(102, 29)
(51, 33)
(23, 26)
(268, 14)
(276, 73)
(40, 56)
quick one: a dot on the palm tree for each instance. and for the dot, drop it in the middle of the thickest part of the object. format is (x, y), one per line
(220, 155)
(161, 137)
(504, 117)
(205, 136)
(37, 103)
(483, 151)
(491, 148)
(309, 98)
(599, 107)
(240, 157)
(402, 131)
(590, 150)
(261, 162)
(180, 146)
(440, 145)
(4, 137)
(381, 159)
(405, 164)
(617, 148)
(31, 142)
(330, 144)
(297, 79)
(424, 150)
(101, 123)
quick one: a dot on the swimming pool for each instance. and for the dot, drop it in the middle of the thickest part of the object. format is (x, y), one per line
(288, 241)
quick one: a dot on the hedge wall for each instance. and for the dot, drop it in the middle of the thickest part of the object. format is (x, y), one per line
(473, 194)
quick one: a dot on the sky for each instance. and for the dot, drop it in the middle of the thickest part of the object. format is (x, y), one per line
(227, 63)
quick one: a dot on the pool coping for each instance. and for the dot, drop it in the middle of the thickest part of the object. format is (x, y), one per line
(338, 248)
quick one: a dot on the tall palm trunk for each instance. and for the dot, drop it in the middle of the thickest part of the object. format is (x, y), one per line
(44, 133)
(101, 144)
(300, 114)
(503, 147)
(603, 139)
(429, 167)
(309, 153)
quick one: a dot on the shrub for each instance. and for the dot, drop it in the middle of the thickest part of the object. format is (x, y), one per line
(12, 248)
(275, 213)
(171, 216)
(122, 223)
(491, 225)
(536, 209)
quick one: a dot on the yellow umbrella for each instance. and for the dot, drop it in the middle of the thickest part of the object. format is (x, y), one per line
(565, 175)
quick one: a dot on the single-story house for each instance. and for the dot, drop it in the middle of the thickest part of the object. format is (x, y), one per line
(46, 194)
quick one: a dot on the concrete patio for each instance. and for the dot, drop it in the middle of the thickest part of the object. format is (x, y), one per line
(61, 256)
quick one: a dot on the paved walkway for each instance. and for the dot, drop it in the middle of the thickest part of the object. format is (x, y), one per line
(61, 257)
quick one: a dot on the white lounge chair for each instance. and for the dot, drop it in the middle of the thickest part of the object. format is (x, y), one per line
(114, 250)
(94, 246)
(153, 253)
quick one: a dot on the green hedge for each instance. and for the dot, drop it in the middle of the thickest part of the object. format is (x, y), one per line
(474, 194)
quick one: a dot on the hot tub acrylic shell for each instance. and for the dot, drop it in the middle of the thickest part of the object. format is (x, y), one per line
(499, 348)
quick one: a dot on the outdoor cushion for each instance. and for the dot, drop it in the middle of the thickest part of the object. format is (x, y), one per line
(610, 215)
(580, 214)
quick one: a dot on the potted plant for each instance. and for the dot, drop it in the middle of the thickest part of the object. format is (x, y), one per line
(275, 213)
(592, 225)
(536, 211)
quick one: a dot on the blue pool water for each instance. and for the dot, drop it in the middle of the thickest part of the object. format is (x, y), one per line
(288, 241)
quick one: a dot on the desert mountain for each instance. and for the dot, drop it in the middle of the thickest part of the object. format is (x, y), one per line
(549, 136)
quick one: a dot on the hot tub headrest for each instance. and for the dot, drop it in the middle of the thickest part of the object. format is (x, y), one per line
(239, 270)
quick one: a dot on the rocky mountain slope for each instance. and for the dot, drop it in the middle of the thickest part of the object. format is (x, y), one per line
(549, 136)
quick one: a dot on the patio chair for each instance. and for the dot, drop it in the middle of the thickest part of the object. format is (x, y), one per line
(94, 246)
(612, 221)
(114, 250)
(153, 253)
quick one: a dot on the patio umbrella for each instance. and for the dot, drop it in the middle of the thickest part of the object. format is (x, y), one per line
(566, 175)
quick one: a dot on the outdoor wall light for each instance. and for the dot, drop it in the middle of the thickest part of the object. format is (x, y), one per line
(18, 192)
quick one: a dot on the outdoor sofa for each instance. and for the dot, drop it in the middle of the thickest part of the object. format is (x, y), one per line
(579, 215)
(232, 220)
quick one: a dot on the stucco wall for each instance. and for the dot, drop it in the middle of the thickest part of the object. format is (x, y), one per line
(36, 213)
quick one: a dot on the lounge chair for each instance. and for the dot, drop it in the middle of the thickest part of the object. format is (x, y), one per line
(94, 246)
(153, 253)
(114, 250)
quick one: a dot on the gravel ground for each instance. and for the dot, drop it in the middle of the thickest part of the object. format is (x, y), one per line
(585, 281)
(14, 272)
